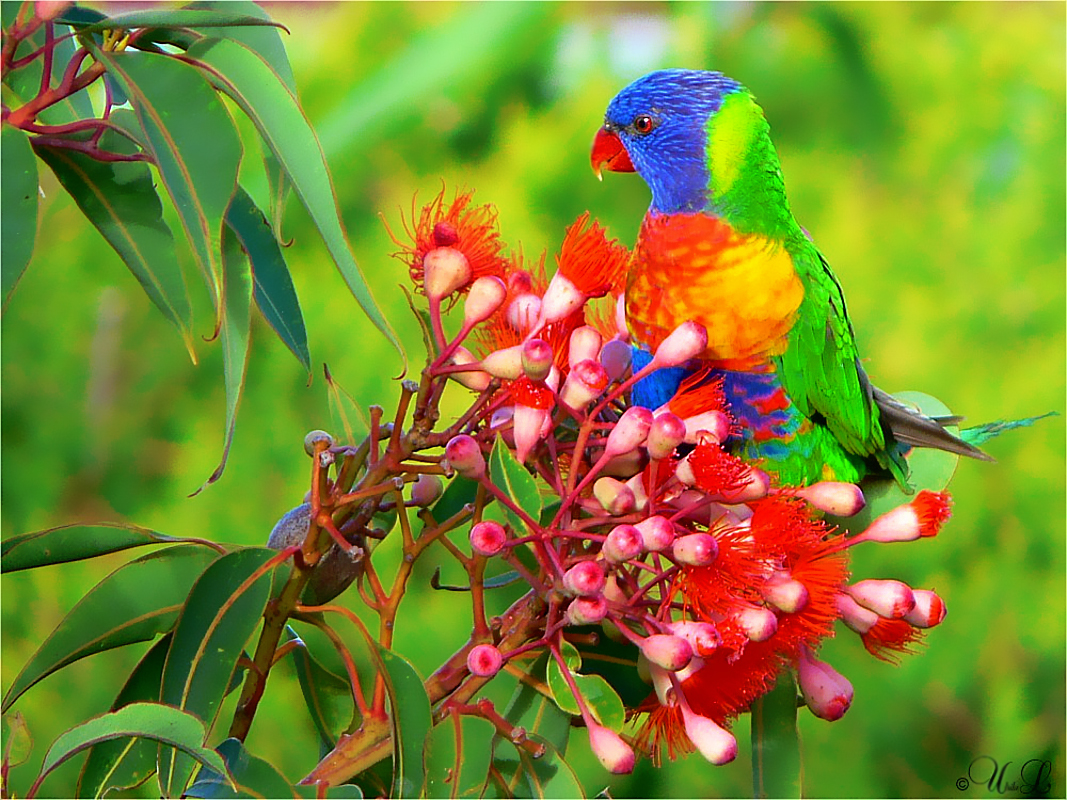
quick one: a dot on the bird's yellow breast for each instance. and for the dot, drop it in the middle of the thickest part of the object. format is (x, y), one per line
(742, 288)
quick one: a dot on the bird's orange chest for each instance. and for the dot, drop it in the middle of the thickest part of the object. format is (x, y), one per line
(742, 288)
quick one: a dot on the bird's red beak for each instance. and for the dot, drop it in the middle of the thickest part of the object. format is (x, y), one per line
(609, 153)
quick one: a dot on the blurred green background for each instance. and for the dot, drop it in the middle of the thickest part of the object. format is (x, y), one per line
(923, 148)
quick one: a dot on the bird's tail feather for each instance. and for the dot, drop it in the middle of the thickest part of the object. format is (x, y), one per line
(983, 433)
(912, 428)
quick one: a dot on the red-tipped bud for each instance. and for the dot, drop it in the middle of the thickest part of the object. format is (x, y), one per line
(584, 344)
(657, 533)
(536, 359)
(505, 364)
(445, 234)
(715, 743)
(445, 270)
(484, 660)
(834, 497)
(758, 624)
(486, 295)
(611, 751)
(666, 433)
(672, 653)
(587, 610)
(523, 312)
(615, 356)
(476, 379)
(785, 593)
(702, 636)
(586, 578)
(585, 382)
(929, 609)
(687, 341)
(713, 425)
(623, 543)
(614, 496)
(889, 599)
(695, 549)
(529, 424)
(854, 615)
(922, 517)
(827, 692)
(465, 456)
(426, 489)
(488, 537)
(629, 432)
(562, 298)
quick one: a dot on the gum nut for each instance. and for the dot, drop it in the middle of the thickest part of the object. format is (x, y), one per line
(291, 529)
(615, 357)
(313, 438)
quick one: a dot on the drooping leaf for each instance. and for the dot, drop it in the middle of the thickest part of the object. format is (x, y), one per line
(264, 40)
(197, 153)
(776, 767)
(271, 105)
(252, 775)
(133, 604)
(327, 695)
(457, 759)
(603, 701)
(167, 725)
(120, 200)
(172, 18)
(220, 614)
(548, 776)
(123, 763)
(18, 194)
(409, 714)
(518, 484)
(274, 292)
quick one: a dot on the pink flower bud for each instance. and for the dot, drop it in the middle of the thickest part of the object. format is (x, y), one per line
(922, 517)
(672, 653)
(714, 425)
(445, 270)
(666, 433)
(486, 295)
(536, 359)
(757, 485)
(785, 593)
(614, 496)
(888, 599)
(683, 471)
(529, 423)
(484, 660)
(586, 578)
(703, 637)
(629, 432)
(584, 344)
(610, 749)
(687, 341)
(636, 484)
(854, 615)
(657, 533)
(623, 543)
(759, 624)
(488, 537)
(716, 744)
(612, 591)
(426, 489)
(834, 497)
(562, 298)
(587, 610)
(625, 465)
(929, 609)
(827, 692)
(523, 312)
(475, 379)
(695, 549)
(585, 382)
(620, 318)
(465, 456)
(505, 364)
(615, 356)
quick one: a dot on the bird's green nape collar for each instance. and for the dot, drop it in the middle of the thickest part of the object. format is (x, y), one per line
(745, 178)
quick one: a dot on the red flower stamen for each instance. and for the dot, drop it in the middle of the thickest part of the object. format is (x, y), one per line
(593, 264)
(932, 509)
(888, 638)
(716, 471)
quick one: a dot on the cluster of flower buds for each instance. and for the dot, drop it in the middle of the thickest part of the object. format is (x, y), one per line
(720, 578)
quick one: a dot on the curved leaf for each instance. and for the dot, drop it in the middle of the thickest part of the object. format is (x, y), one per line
(537, 713)
(273, 286)
(167, 725)
(18, 742)
(124, 763)
(219, 615)
(776, 767)
(511, 476)
(76, 542)
(252, 776)
(546, 777)
(133, 604)
(197, 153)
(18, 195)
(410, 717)
(175, 18)
(269, 103)
(328, 696)
(603, 701)
(457, 759)
(120, 200)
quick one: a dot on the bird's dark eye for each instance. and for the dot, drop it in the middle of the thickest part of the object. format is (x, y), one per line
(644, 124)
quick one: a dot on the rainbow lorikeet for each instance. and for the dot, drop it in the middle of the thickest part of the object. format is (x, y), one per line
(719, 246)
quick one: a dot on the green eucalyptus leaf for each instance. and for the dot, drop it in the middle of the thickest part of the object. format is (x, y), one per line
(602, 700)
(457, 760)
(220, 614)
(252, 776)
(18, 194)
(536, 713)
(410, 717)
(511, 477)
(776, 766)
(25, 82)
(548, 776)
(328, 696)
(17, 740)
(133, 604)
(172, 18)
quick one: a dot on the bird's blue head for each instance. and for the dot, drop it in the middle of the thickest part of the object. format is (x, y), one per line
(658, 126)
